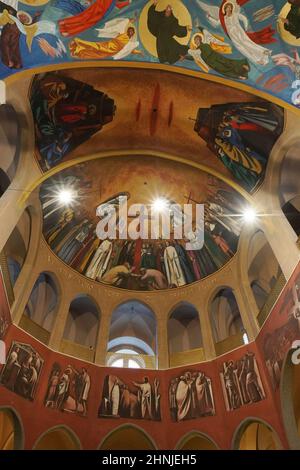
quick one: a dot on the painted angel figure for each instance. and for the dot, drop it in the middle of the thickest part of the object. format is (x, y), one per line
(236, 25)
(122, 41)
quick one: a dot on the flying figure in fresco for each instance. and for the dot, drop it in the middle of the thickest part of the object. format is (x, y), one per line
(236, 25)
(122, 42)
(164, 26)
(207, 51)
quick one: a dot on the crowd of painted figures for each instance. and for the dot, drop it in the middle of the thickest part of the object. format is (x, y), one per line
(68, 389)
(68, 112)
(241, 382)
(190, 396)
(139, 400)
(21, 372)
(139, 264)
(242, 40)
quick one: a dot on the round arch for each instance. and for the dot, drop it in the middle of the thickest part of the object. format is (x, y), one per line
(42, 306)
(127, 437)
(255, 434)
(11, 429)
(59, 437)
(196, 440)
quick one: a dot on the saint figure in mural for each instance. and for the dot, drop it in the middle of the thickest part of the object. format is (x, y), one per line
(236, 26)
(206, 50)
(122, 42)
(242, 136)
(164, 26)
(67, 112)
(292, 21)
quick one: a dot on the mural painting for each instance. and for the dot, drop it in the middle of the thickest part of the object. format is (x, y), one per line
(191, 396)
(137, 400)
(5, 318)
(281, 330)
(241, 382)
(142, 264)
(22, 370)
(242, 136)
(66, 114)
(68, 389)
(241, 40)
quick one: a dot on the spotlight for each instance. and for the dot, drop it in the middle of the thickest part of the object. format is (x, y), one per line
(65, 196)
(249, 215)
(160, 205)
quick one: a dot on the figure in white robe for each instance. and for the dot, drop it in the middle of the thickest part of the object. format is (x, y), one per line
(237, 25)
(173, 269)
(145, 398)
(99, 263)
(184, 397)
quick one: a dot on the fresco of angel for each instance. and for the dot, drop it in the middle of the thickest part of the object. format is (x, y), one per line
(236, 26)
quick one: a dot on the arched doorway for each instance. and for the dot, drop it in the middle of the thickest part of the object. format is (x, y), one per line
(127, 437)
(226, 322)
(11, 434)
(196, 441)
(81, 329)
(60, 438)
(184, 336)
(254, 434)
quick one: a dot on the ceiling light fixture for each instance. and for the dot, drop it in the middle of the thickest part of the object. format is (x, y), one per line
(249, 215)
(65, 196)
(160, 205)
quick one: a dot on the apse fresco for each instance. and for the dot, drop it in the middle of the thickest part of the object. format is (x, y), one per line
(241, 382)
(149, 262)
(5, 318)
(250, 42)
(66, 113)
(281, 330)
(191, 396)
(136, 399)
(22, 370)
(68, 389)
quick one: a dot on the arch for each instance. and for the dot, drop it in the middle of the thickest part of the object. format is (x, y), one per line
(82, 324)
(127, 437)
(195, 440)
(9, 145)
(11, 429)
(255, 434)
(17, 246)
(59, 437)
(263, 268)
(226, 321)
(290, 399)
(184, 334)
(41, 309)
(135, 321)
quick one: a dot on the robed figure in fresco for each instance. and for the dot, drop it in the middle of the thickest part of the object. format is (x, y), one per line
(242, 136)
(292, 21)
(164, 26)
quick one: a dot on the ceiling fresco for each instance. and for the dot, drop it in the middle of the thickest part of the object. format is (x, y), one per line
(146, 263)
(79, 113)
(250, 42)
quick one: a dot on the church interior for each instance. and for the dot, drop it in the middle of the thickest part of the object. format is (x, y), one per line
(118, 332)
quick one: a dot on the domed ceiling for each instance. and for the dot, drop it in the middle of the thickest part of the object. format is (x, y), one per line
(152, 261)
(246, 42)
(79, 113)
